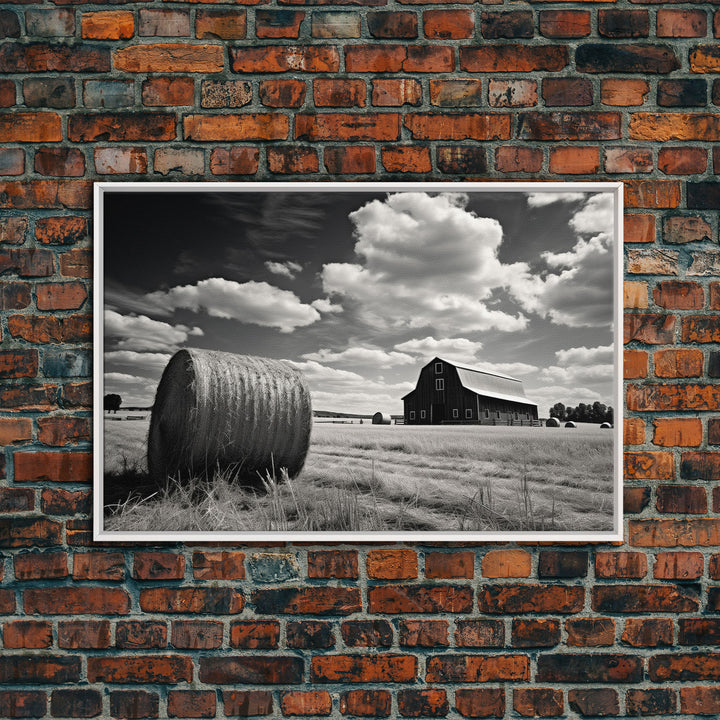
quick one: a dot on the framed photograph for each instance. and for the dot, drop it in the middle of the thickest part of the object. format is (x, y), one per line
(358, 361)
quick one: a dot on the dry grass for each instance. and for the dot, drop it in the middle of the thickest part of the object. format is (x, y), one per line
(390, 478)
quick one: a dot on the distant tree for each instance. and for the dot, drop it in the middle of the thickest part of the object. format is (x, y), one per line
(558, 411)
(112, 402)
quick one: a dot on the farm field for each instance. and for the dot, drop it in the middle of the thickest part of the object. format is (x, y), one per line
(367, 478)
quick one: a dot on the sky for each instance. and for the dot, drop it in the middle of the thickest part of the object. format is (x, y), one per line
(360, 290)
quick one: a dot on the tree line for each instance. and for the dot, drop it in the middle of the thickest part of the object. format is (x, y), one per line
(595, 413)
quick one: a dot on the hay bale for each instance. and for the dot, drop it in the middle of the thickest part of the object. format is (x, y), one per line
(570, 424)
(606, 426)
(217, 410)
(381, 419)
(552, 422)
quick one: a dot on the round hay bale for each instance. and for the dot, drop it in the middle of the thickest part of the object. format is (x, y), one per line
(217, 410)
(606, 426)
(570, 424)
(381, 419)
(552, 422)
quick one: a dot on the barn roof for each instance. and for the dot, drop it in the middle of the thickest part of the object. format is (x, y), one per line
(487, 383)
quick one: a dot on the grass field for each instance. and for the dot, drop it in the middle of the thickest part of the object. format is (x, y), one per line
(384, 478)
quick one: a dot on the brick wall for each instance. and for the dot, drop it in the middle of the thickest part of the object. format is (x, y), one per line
(370, 89)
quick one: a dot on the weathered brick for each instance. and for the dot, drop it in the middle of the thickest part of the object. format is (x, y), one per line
(395, 92)
(419, 599)
(40, 565)
(705, 59)
(242, 669)
(611, 58)
(431, 702)
(518, 159)
(292, 159)
(12, 161)
(595, 702)
(39, 669)
(644, 599)
(168, 91)
(168, 669)
(121, 127)
(225, 93)
(681, 23)
(477, 668)
(23, 703)
(654, 701)
(309, 634)
(622, 92)
(196, 634)
(685, 229)
(661, 127)
(633, 431)
(234, 161)
(253, 635)
(575, 161)
(228, 24)
(76, 601)
(635, 364)
(700, 700)
(589, 668)
(569, 126)
(13, 231)
(31, 127)
(671, 432)
(678, 363)
(158, 566)
(60, 162)
(47, 57)
(108, 93)
(163, 22)
(538, 702)
(510, 93)
(406, 158)
(682, 160)
(448, 24)
(628, 160)
(247, 702)
(496, 25)
(134, 704)
(686, 532)
(218, 565)
(284, 58)
(450, 565)
(423, 633)
(335, 25)
(27, 634)
(9, 24)
(282, 93)
(309, 702)
(480, 702)
(14, 500)
(530, 598)
(108, 25)
(78, 702)
(367, 633)
(624, 23)
(120, 161)
(391, 25)
(347, 127)
(191, 703)
(610, 565)
(479, 633)
(529, 633)
(648, 632)
(684, 666)
(678, 566)
(134, 634)
(574, 92)
(307, 601)
(329, 92)
(562, 564)
(589, 632)
(167, 57)
(513, 58)
(650, 328)
(228, 128)
(212, 600)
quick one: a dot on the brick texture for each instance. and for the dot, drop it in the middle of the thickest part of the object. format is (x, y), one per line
(360, 90)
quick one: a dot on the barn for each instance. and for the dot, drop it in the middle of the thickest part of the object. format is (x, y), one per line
(448, 392)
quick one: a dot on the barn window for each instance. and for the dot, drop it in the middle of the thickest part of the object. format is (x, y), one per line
(439, 384)
(412, 414)
(438, 368)
(468, 413)
(487, 413)
(497, 413)
(422, 414)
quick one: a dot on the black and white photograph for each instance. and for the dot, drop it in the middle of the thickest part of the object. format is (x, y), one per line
(407, 361)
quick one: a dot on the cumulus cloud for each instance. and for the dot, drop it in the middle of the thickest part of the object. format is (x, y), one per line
(139, 332)
(325, 306)
(374, 357)
(287, 269)
(253, 302)
(585, 355)
(460, 350)
(149, 364)
(425, 261)
(541, 199)
(596, 215)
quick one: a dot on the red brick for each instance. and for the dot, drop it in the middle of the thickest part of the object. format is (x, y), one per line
(700, 329)
(681, 499)
(75, 194)
(530, 598)
(163, 22)
(589, 668)
(284, 58)
(700, 700)
(678, 566)
(366, 703)
(392, 25)
(652, 193)
(623, 93)
(649, 465)
(575, 161)
(227, 128)
(629, 160)
(312, 702)
(60, 162)
(158, 566)
(347, 127)
(406, 158)
(363, 668)
(714, 431)
(134, 635)
(196, 634)
(682, 160)
(134, 704)
(655, 701)
(254, 635)
(518, 159)
(140, 669)
(7, 93)
(671, 432)
(278, 23)
(538, 702)
(678, 363)
(673, 397)
(222, 24)
(212, 600)
(644, 599)
(61, 230)
(450, 565)
(480, 633)
(662, 127)
(53, 467)
(108, 25)
(477, 668)
(76, 600)
(480, 702)
(307, 600)
(40, 566)
(329, 92)
(512, 93)
(535, 633)
(679, 295)
(590, 632)
(120, 161)
(191, 703)
(85, 634)
(650, 328)
(225, 93)
(398, 58)
(169, 57)
(448, 24)
(28, 262)
(63, 430)
(392, 564)
(569, 125)
(29, 397)
(282, 93)
(431, 702)
(573, 92)
(506, 563)
(16, 500)
(99, 566)
(61, 296)
(513, 58)
(56, 501)
(18, 363)
(22, 703)
(30, 127)
(395, 92)
(620, 565)
(648, 632)
(27, 634)
(218, 565)
(168, 91)
(470, 126)
(15, 430)
(367, 633)
(633, 431)
(114, 127)
(234, 161)
(243, 669)
(419, 599)
(424, 633)
(685, 229)
(13, 230)
(685, 532)
(307, 634)
(681, 23)
(564, 23)
(76, 263)
(342, 564)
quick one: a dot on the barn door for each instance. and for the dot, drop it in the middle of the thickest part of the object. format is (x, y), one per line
(437, 413)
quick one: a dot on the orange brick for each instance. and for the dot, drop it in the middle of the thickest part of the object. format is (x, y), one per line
(108, 25)
(678, 565)
(624, 93)
(676, 363)
(15, 430)
(574, 160)
(635, 364)
(639, 228)
(635, 294)
(506, 563)
(167, 57)
(633, 431)
(671, 432)
(392, 564)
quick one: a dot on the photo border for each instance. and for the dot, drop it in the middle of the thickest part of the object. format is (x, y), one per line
(189, 537)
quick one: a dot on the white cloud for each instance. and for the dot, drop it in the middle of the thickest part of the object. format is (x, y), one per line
(147, 364)
(541, 199)
(373, 357)
(287, 269)
(545, 397)
(596, 215)
(324, 305)
(139, 332)
(585, 355)
(257, 303)
(458, 349)
(580, 374)
(514, 369)
(425, 262)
